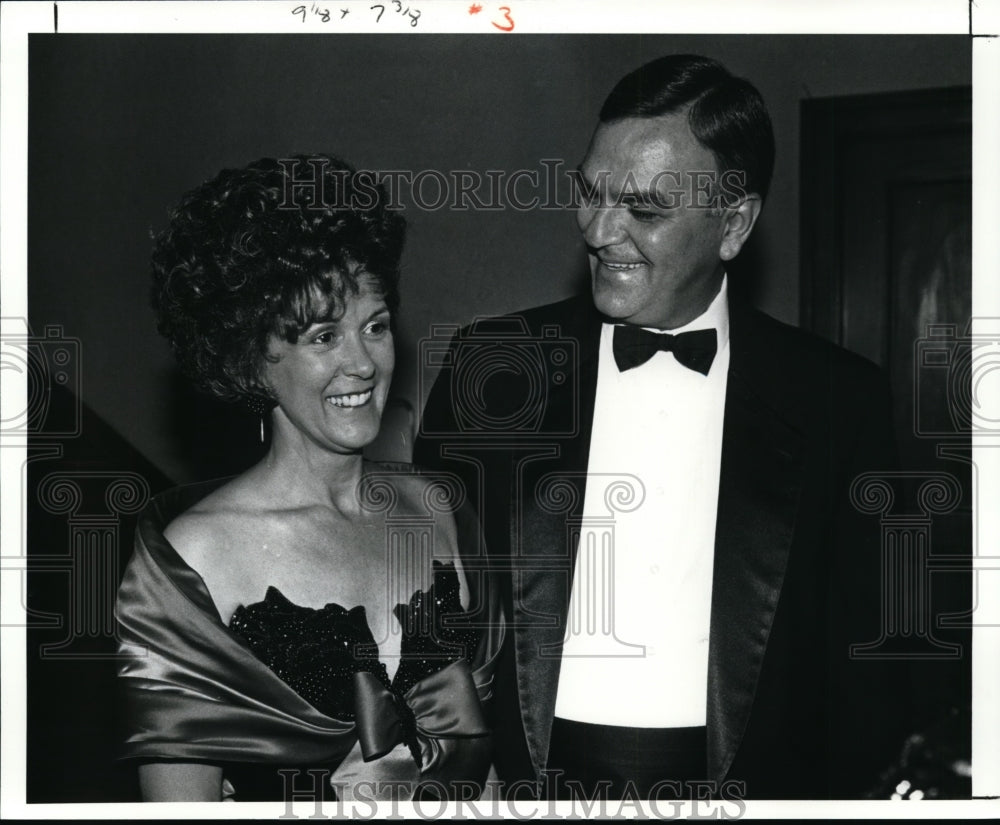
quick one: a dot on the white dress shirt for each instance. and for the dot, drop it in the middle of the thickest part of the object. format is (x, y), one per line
(636, 648)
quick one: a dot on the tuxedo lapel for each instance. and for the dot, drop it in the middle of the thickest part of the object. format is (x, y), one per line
(760, 480)
(547, 499)
(759, 486)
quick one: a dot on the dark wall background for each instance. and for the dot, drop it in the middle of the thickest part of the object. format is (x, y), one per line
(121, 125)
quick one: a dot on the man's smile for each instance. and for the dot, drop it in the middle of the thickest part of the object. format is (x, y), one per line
(621, 266)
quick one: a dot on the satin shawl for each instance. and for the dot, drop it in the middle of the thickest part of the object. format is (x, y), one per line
(195, 691)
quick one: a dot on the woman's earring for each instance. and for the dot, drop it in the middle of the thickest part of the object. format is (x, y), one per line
(258, 406)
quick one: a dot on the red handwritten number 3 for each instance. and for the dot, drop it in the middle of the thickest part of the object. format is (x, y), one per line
(508, 18)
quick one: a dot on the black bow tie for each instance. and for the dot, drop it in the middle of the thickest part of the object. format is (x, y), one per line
(634, 346)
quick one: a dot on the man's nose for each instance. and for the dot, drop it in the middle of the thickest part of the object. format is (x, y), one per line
(601, 225)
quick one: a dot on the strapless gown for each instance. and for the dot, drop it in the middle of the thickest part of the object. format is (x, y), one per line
(288, 695)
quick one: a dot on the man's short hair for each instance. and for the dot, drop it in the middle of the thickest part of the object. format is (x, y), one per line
(726, 114)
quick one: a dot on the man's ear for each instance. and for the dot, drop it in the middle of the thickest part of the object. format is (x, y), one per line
(739, 223)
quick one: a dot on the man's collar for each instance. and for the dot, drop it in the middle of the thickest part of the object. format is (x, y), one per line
(716, 317)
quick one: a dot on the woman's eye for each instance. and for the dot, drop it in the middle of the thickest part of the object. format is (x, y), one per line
(323, 337)
(377, 328)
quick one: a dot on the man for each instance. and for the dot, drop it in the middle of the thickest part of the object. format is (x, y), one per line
(685, 572)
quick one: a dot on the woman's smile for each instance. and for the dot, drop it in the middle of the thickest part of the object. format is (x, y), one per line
(350, 400)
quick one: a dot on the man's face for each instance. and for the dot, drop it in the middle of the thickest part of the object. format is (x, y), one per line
(654, 253)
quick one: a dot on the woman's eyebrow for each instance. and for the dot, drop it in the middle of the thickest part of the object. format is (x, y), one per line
(382, 310)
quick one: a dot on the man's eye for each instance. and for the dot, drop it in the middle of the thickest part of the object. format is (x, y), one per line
(643, 215)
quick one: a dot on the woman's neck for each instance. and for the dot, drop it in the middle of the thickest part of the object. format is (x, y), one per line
(303, 474)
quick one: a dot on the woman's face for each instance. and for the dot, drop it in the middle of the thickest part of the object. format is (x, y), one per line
(331, 385)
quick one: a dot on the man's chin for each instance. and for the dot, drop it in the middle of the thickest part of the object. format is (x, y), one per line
(613, 305)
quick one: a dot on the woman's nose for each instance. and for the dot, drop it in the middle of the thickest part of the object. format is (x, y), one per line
(357, 359)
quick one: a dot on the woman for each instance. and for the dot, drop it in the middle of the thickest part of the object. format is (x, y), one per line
(313, 611)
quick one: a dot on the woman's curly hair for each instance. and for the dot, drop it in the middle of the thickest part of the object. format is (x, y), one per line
(268, 250)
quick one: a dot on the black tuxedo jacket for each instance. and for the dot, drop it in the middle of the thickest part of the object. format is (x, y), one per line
(796, 574)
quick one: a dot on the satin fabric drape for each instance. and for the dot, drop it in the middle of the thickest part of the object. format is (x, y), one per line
(194, 691)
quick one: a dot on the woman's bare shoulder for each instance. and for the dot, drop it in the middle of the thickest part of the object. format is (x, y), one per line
(212, 524)
(220, 538)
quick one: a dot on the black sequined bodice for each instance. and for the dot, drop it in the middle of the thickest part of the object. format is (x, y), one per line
(317, 652)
